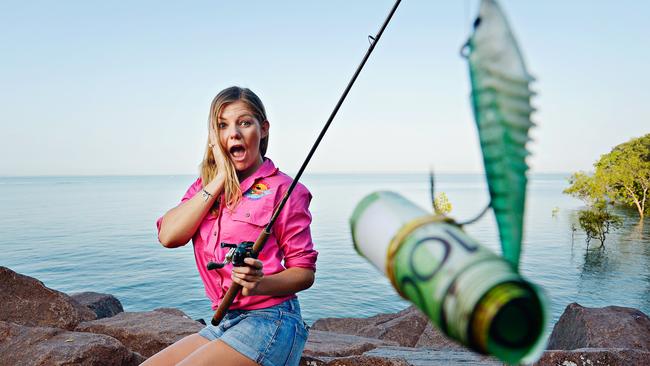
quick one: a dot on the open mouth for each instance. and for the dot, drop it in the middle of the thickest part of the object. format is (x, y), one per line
(237, 151)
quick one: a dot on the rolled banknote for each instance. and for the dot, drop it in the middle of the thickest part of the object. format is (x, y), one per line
(471, 294)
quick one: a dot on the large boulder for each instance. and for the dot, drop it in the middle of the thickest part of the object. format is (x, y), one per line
(595, 356)
(608, 327)
(26, 301)
(173, 311)
(178, 312)
(103, 305)
(354, 326)
(21, 345)
(322, 343)
(404, 328)
(143, 332)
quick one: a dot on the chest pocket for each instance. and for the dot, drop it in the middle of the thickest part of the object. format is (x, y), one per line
(245, 223)
(254, 212)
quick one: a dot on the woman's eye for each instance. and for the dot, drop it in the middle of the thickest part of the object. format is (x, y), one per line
(245, 123)
(221, 125)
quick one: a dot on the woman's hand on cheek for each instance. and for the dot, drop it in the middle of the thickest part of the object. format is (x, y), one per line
(248, 276)
(219, 157)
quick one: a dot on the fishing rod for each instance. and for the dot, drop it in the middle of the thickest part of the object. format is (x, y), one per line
(245, 249)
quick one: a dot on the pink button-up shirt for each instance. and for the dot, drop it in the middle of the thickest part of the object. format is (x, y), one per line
(289, 245)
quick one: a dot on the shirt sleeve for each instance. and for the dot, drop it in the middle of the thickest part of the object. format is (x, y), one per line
(191, 191)
(293, 233)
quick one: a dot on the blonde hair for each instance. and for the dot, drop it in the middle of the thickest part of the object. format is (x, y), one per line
(232, 192)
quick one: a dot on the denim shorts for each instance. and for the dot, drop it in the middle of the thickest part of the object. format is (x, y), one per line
(272, 336)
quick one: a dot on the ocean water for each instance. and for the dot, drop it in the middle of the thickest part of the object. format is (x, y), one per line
(98, 234)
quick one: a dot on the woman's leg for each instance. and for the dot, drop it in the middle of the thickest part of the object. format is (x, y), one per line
(177, 352)
(216, 353)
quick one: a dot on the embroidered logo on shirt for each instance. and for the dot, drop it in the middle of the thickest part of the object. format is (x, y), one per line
(258, 190)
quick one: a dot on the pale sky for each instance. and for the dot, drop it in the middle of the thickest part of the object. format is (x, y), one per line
(111, 88)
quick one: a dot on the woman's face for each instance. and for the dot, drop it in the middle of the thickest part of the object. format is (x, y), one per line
(240, 134)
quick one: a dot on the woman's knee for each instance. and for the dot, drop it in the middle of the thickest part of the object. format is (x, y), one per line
(176, 352)
(217, 351)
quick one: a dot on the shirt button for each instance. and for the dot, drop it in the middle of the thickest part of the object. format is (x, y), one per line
(247, 214)
(215, 233)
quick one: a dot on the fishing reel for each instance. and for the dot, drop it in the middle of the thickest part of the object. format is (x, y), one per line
(236, 255)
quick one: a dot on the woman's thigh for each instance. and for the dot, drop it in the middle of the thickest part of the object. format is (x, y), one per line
(176, 352)
(272, 336)
(216, 352)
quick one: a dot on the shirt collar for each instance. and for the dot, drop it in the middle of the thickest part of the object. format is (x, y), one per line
(267, 169)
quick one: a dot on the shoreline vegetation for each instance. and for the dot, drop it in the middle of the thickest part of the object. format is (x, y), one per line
(42, 326)
(620, 178)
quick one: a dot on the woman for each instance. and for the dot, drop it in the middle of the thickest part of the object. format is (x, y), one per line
(231, 203)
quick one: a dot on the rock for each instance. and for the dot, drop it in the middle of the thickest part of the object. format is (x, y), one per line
(405, 327)
(178, 312)
(143, 332)
(103, 305)
(395, 355)
(26, 301)
(321, 343)
(311, 361)
(173, 311)
(608, 327)
(435, 339)
(594, 357)
(352, 326)
(367, 361)
(353, 360)
(21, 345)
(427, 357)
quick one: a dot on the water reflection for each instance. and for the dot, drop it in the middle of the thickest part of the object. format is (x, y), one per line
(617, 273)
(636, 231)
(596, 261)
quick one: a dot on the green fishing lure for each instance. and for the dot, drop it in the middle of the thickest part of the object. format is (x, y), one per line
(501, 103)
(470, 293)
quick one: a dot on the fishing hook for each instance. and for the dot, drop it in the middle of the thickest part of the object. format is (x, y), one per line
(480, 215)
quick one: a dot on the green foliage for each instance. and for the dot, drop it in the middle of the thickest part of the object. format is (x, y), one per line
(586, 188)
(555, 211)
(621, 176)
(441, 204)
(597, 222)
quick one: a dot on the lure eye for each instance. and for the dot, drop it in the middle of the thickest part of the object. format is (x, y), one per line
(477, 22)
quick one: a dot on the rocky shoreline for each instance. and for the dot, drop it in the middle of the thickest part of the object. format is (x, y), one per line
(42, 326)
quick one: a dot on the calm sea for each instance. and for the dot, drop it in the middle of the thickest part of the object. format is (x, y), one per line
(98, 234)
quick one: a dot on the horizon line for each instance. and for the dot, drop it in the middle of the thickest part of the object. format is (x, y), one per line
(292, 174)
